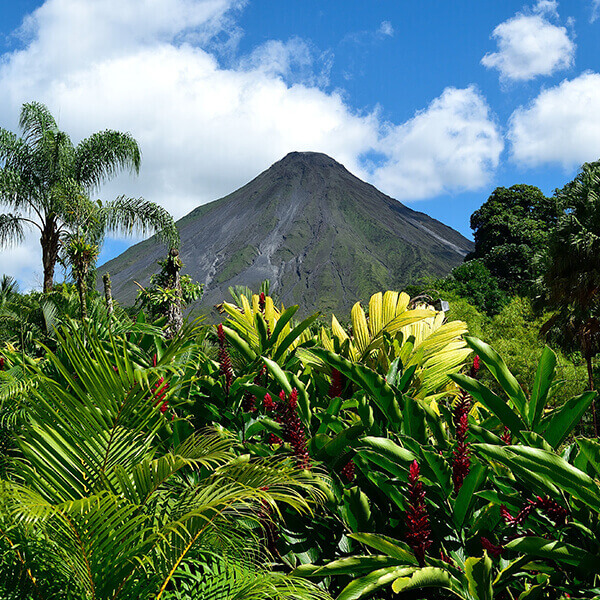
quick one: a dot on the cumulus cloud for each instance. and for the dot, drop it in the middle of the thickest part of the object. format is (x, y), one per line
(595, 10)
(452, 145)
(561, 125)
(146, 66)
(529, 45)
(296, 61)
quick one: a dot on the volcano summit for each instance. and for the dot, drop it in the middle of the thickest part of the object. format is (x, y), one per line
(322, 236)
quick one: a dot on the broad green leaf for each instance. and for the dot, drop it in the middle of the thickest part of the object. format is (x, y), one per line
(466, 494)
(496, 405)
(370, 381)
(478, 572)
(387, 448)
(293, 335)
(591, 450)
(543, 382)
(563, 420)
(358, 509)
(365, 586)
(499, 370)
(337, 447)
(558, 551)
(284, 319)
(427, 577)
(353, 565)
(391, 547)
(239, 344)
(438, 465)
(413, 420)
(278, 374)
(504, 455)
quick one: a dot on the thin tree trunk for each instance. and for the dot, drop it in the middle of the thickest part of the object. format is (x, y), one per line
(588, 360)
(50, 244)
(174, 310)
(108, 293)
(82, 297)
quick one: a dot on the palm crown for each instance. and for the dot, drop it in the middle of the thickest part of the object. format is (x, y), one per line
(46, 182)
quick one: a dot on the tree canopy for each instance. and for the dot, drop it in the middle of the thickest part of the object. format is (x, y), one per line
(510, 228)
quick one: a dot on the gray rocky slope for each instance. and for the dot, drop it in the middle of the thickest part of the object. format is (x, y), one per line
(322, 236)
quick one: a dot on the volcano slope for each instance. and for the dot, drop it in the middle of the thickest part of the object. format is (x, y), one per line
(323, 237)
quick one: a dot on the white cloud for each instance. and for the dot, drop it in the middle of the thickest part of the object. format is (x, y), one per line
(295, 61)
(386, 29)
(205, 129)
(529, 45)
(595, 10)
(452, 145)
(561, 125)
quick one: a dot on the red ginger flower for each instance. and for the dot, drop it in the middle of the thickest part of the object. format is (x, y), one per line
(461, 463)
(337, 385)
(293, 431)
(495, 551)
(224, 359)
(506, 437)
(349, 472)
(159, 391)
(417, 519)
(546, 505)
(268, 403)
(262, 302)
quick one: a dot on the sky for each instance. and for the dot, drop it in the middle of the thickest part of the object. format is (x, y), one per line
(435, 103)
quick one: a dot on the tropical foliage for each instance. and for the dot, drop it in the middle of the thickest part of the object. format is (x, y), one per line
(46, 182)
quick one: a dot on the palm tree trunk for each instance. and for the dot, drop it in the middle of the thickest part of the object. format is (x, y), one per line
(174, 311)
(108, 293)
(50, 244)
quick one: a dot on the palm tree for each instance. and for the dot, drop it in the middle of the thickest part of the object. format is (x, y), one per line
(572, 275)
(94, 220)
(46, 181)
(107, 502)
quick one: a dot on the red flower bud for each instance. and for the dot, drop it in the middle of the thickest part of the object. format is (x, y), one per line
(417, 520)
(461, 463)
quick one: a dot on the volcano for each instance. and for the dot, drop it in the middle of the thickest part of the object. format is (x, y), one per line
(323, 237)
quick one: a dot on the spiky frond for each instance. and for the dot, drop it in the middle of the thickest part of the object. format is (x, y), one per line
(35, 121)
(11, 229)
(103, 155)
(136, 215)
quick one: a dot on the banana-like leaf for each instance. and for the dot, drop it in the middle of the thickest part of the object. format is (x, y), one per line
(391, 547)
(372, 383)
(591, 450)
(428, 577)
(478, 572)
(353, 565)
(548, 466)
(559, 551)
(496, 405)
(466, 495)
(560, 424)
(501, 373)
(365, 586)
(544, 377)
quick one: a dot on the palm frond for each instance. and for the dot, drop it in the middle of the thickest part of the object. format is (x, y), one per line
(11, 229)
(135, 215)
(103, 155)
(35, 121)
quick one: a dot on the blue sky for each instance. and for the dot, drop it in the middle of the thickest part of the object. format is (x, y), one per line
(436, 103)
